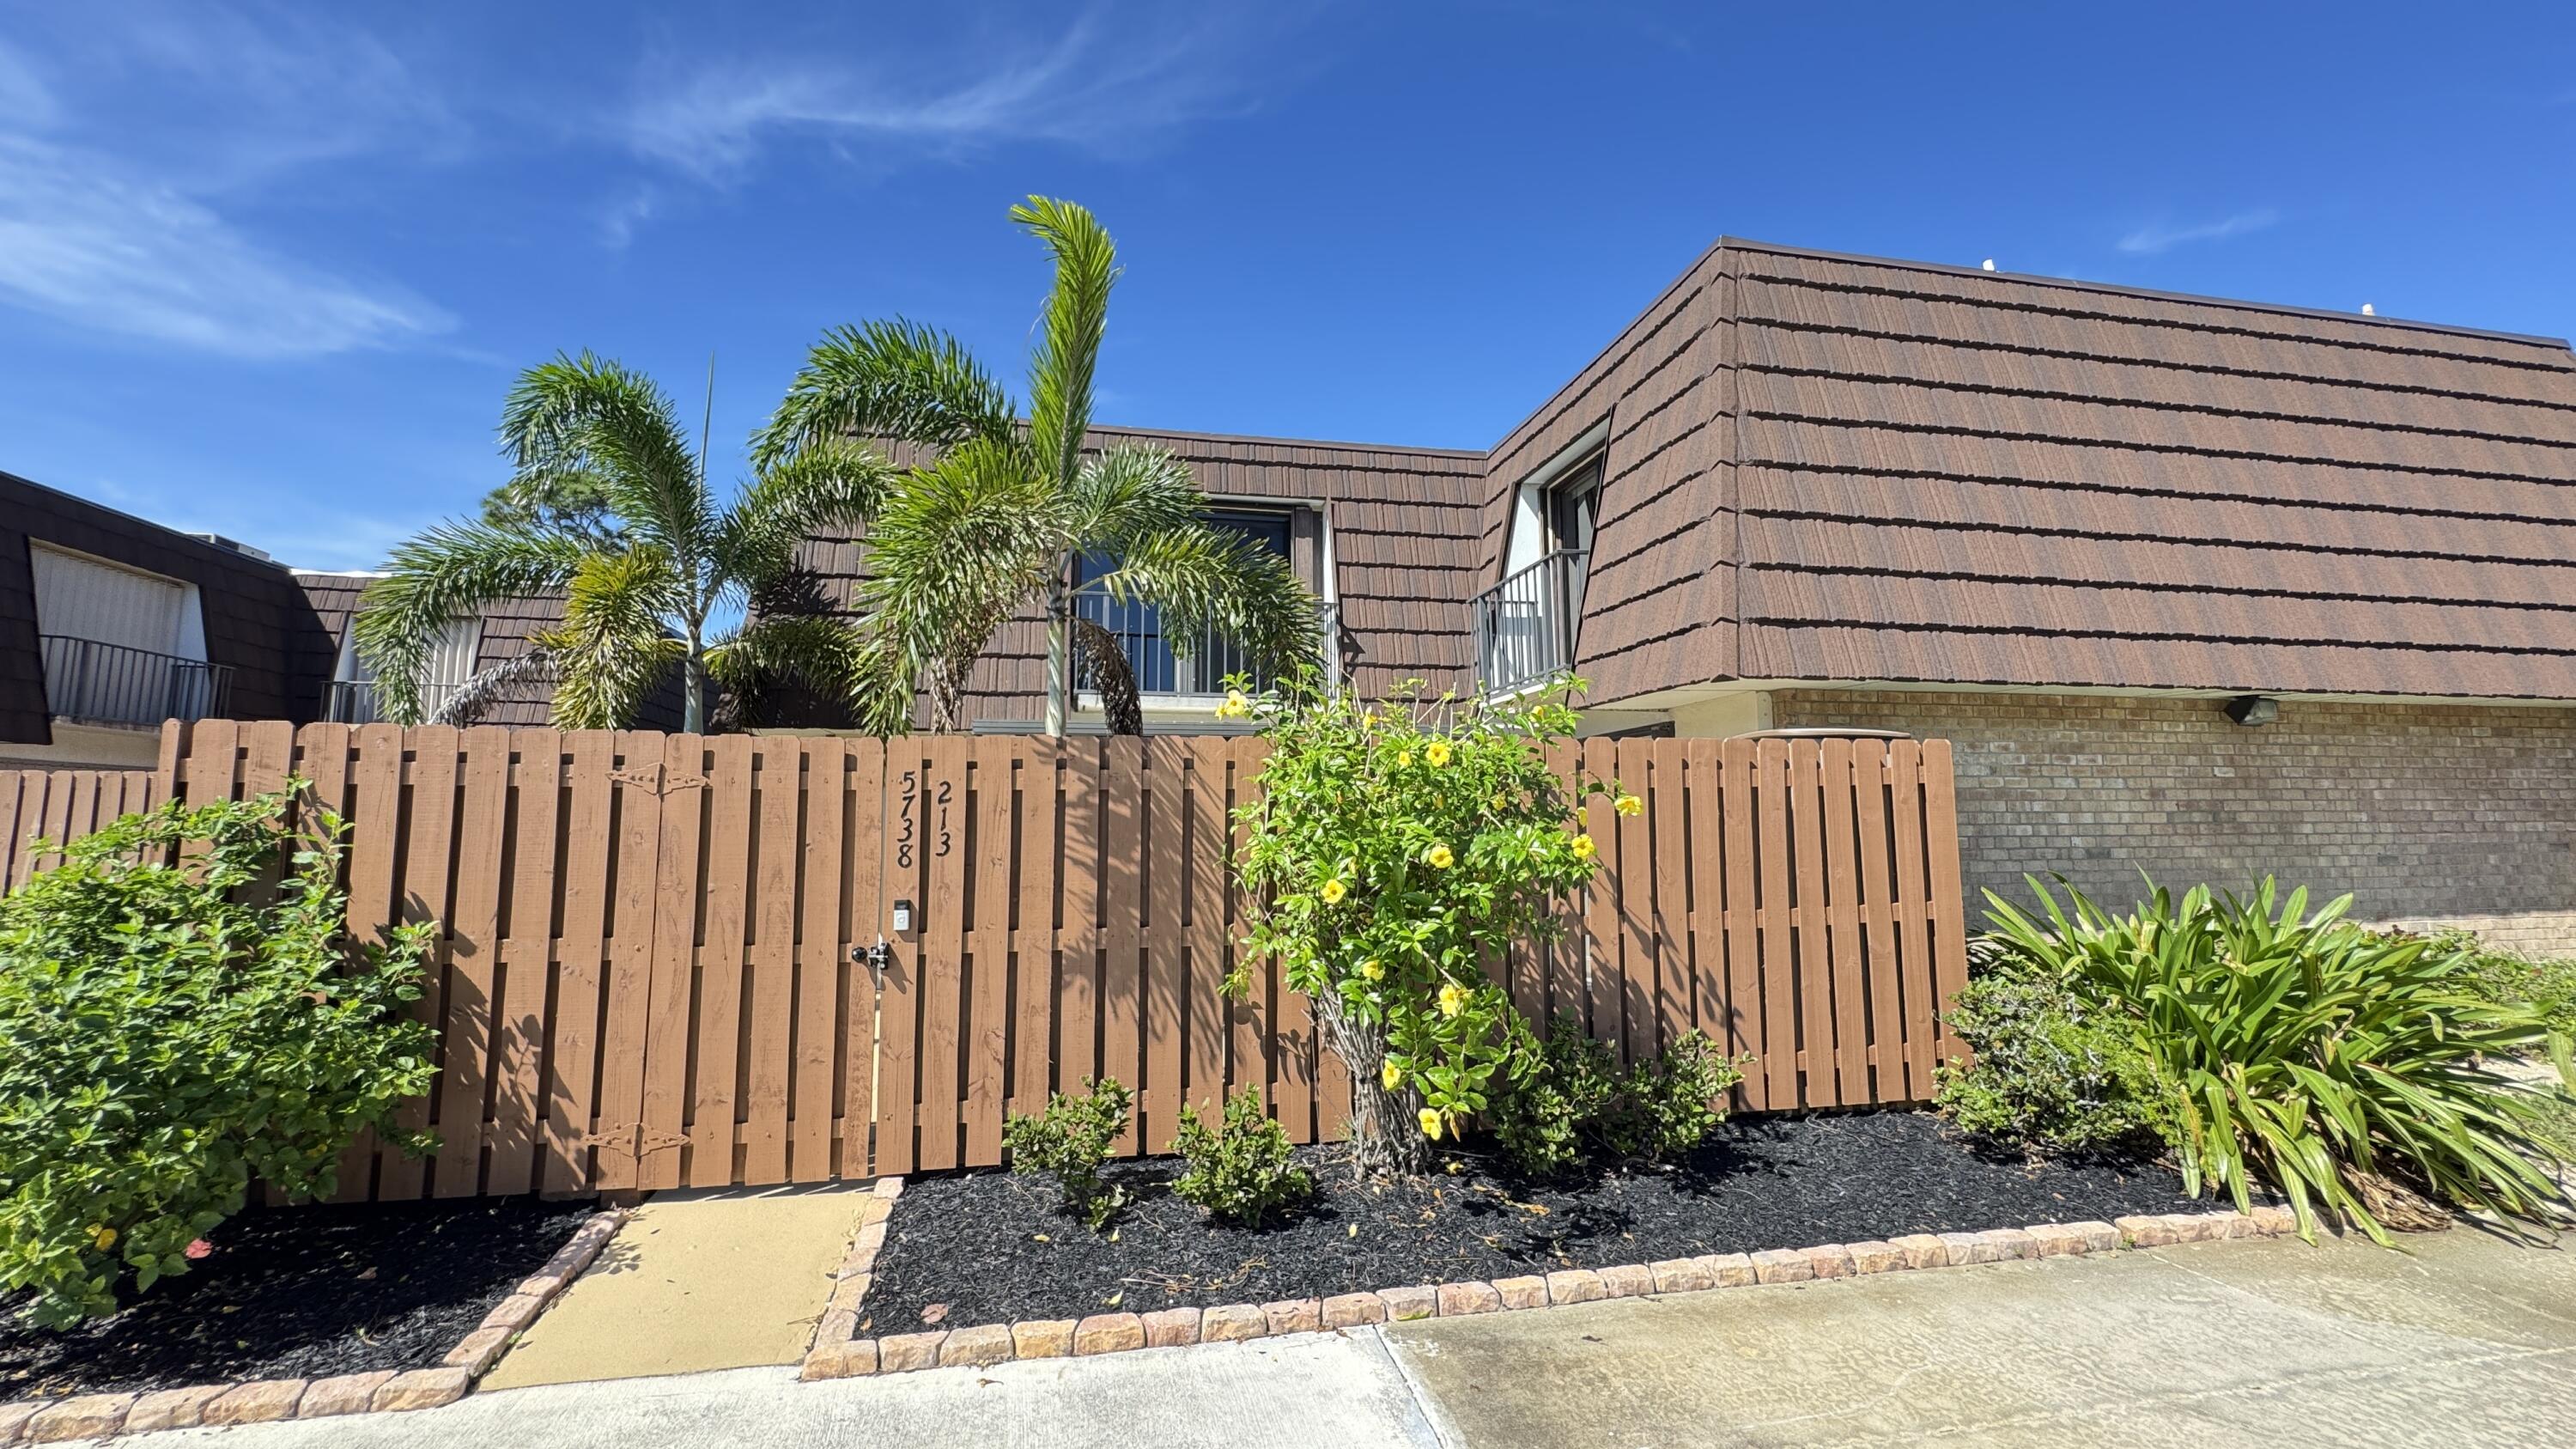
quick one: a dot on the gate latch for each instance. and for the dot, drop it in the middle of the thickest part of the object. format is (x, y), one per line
(875, 957)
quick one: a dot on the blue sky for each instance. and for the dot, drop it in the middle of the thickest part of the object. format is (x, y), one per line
(269, 271)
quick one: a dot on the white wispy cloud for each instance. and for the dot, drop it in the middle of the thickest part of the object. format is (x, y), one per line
(1100, 84)
(126, 152)
(2148, 240)
(87, 246)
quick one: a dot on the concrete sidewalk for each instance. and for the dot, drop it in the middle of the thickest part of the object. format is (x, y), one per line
(2464, 1340)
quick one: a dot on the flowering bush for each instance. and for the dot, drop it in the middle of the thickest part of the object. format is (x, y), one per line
(170, 1032)
(1398, 849)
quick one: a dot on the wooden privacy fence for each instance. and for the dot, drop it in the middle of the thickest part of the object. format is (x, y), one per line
(63, 805)
(655, 963)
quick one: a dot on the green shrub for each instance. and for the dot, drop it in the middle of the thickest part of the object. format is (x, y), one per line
(169, 1033)
(1071, 1139)
(2511, 978)
(2301, 1052)
(1569, 1102)
(1239, 1170)
(2050, 1069)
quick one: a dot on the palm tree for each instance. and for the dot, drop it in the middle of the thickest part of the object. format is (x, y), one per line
(994, 520)
(642, 589)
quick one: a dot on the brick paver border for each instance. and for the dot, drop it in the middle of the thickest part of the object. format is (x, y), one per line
(101, 1416)
(838, 1352)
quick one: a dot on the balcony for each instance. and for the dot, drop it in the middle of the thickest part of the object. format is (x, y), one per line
(1162, 672)
(91, 682)
(353, 701)
(1524, 626)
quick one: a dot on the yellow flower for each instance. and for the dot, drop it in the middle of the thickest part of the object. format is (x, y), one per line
(1629, 805)
(1453, 998)
(1583, 848)
(1501, 803)
(1372, 970)
(1430, 1124)
(1404, 761)
(1235, 706)
(1334, 890)
(1392, 1075)
(103, 1236)
(1437, 752)
(1440, 857)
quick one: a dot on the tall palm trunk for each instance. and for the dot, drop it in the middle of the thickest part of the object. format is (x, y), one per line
(693, 683)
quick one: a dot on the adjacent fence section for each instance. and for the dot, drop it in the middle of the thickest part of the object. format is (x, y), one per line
(60, 806)
(659, 963)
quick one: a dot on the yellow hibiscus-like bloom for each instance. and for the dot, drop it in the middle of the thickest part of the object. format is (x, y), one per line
(1334, 890)
(1372, 970)
(1583, 848)
(1430, 1124)
(1440, 856)
(1235, 706)
(1404, 761)
(103, 1236)
(1629, 805)
(1389, 1077)
(1453, 999)
(1437, 752)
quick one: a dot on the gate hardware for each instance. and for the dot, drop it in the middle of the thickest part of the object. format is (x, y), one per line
(875, 958)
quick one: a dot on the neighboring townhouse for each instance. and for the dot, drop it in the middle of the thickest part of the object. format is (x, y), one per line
(2198, 587)
(111, 624)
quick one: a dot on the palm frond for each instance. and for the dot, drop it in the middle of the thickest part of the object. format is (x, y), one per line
(1201, 577)
(960, 542)
(1077, 313)
(891, 380)
(449, 571)
(1132, 492)
(825, 655)
(832, 484)
(466, 705)
(612, 648)
(591, 415)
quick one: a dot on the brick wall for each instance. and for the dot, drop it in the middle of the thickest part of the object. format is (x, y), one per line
(2462, 814)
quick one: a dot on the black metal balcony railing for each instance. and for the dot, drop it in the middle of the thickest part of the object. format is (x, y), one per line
(1524, 626)
(353, 701)
(88, 681)
(1160, 670)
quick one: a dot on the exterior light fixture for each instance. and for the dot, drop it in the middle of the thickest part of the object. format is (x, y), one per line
(2253, 709)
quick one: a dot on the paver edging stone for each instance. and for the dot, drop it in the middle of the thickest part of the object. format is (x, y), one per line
(104, 1416)
(1237, 1322)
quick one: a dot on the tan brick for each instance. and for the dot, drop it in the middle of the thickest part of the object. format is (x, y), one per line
(1628, 1280)
(164, 1409)
(903, 1352)
(2275, 1220)
(1458, 1300)
(871, 1241)
(1233, 1323)
(346, 1394)
(856, 1359)
(1922, 1250)
(1526, 1291)
(1575, 1285)
(1729, 1270)
(90, 1416)
(1108, 1333)
(1350, 1310)
(1830, 1260)
(1782, 1265)
(515, 1312)
(255, 1403)
(1681, 1275)
(423, 1389)
(1405, 1304)
(1875, 1256)
(889, 1187)
(982, 1344)
(1966, 1248)
(2011, 1242)
(839, 1325)
(2057, 1240)
(1294, 1315)
(479, 1350)
(851, 1291)
(1167, 1327)
(1053, 1337)
(2148, 1230)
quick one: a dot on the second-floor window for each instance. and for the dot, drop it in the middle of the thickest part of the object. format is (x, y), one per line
(351, 698)
(121, 646)
(1139, 627)
(1525, 624)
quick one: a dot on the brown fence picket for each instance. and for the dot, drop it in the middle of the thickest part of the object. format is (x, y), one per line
(650, 962)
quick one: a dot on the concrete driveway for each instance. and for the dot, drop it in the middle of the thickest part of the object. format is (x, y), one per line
(2465, 1340)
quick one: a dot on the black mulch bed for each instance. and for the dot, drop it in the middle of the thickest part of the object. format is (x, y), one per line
(301, 1292)
(991, 1247)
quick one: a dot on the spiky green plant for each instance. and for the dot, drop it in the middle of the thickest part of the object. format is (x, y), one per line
(2301, 1052)
(644, 585)
(990, 523)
